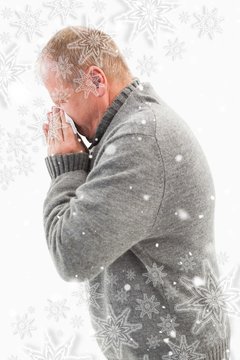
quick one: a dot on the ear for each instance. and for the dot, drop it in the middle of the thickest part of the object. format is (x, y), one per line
(98, 79)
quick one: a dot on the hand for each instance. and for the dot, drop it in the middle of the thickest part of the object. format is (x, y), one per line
(60, 136)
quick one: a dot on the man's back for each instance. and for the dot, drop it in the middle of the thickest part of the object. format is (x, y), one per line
(155, 297)
(146, 278)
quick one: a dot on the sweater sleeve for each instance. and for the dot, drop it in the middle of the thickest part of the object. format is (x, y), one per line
(92, 218)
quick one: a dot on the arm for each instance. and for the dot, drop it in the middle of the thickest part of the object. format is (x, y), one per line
(91, 219)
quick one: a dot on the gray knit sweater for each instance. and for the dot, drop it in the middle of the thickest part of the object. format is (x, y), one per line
(134, 222)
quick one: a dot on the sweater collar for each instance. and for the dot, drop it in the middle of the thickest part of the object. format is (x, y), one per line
(112, 110)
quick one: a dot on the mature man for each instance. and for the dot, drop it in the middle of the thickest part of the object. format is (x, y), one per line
(132, 216)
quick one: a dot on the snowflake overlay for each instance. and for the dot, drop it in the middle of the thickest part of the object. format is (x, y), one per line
(155, 274)
(208, 22)
(115, 331)
(147, 306)
(56, 309)
(175, 48)
(168, 325)
(9, 71)
(211, 300)
(148, 15)
(29, 23)
(86, 84)
(50, 352)
(94, 44)
(64, 8)
(23, 326)
(184, 351)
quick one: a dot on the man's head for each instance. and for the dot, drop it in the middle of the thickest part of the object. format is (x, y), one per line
(83, 71)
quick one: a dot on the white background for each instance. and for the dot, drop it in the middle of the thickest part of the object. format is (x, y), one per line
(200, 82)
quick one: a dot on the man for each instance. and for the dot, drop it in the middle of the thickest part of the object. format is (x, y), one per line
(132, 216)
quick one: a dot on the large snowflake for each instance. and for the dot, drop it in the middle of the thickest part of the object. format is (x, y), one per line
(64, 8)
(9, 71)
(50, 352)
(115, 331)
(92, 42)
(183, 351)
(29, 22)
(148, 15)
(212, 300)
(208, 23)
(155, 274)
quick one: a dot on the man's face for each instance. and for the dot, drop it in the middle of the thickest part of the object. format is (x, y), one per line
(81, 108)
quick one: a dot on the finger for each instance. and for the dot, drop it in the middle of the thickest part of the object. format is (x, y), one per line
(57, 124)
(66, 128)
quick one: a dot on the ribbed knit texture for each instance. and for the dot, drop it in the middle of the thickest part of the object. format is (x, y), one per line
(134, 225)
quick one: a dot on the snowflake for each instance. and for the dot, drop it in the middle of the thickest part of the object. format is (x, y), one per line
(155, 274)
(111, 279)
(131, 274)
(77, 321)
(208, 22)
(9, 71)
(146, 65)
(171, 292)
(153, 341)
(211, 300)
(5, 37)
(168, 325)
(61, 94)
(17, 142)
(92, 43)
(222, 257)
(184, 351)
(81, 293)
(29, 22)
(148, 15)
(92, 295)
(187, 263)
(6, 175)
(36, 126)
(115, 331)
(50, 352)
(23, 326)
(99, 6)
(62, 67)
(121, 296)
(6, 13)
(24, 165)
(147, 306)
(23, 110)
(64, 8)
(184, 17)
(86, 84)
(175, 48)
(56, 309)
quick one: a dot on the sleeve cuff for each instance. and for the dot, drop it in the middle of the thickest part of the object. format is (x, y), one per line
(60, 163)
